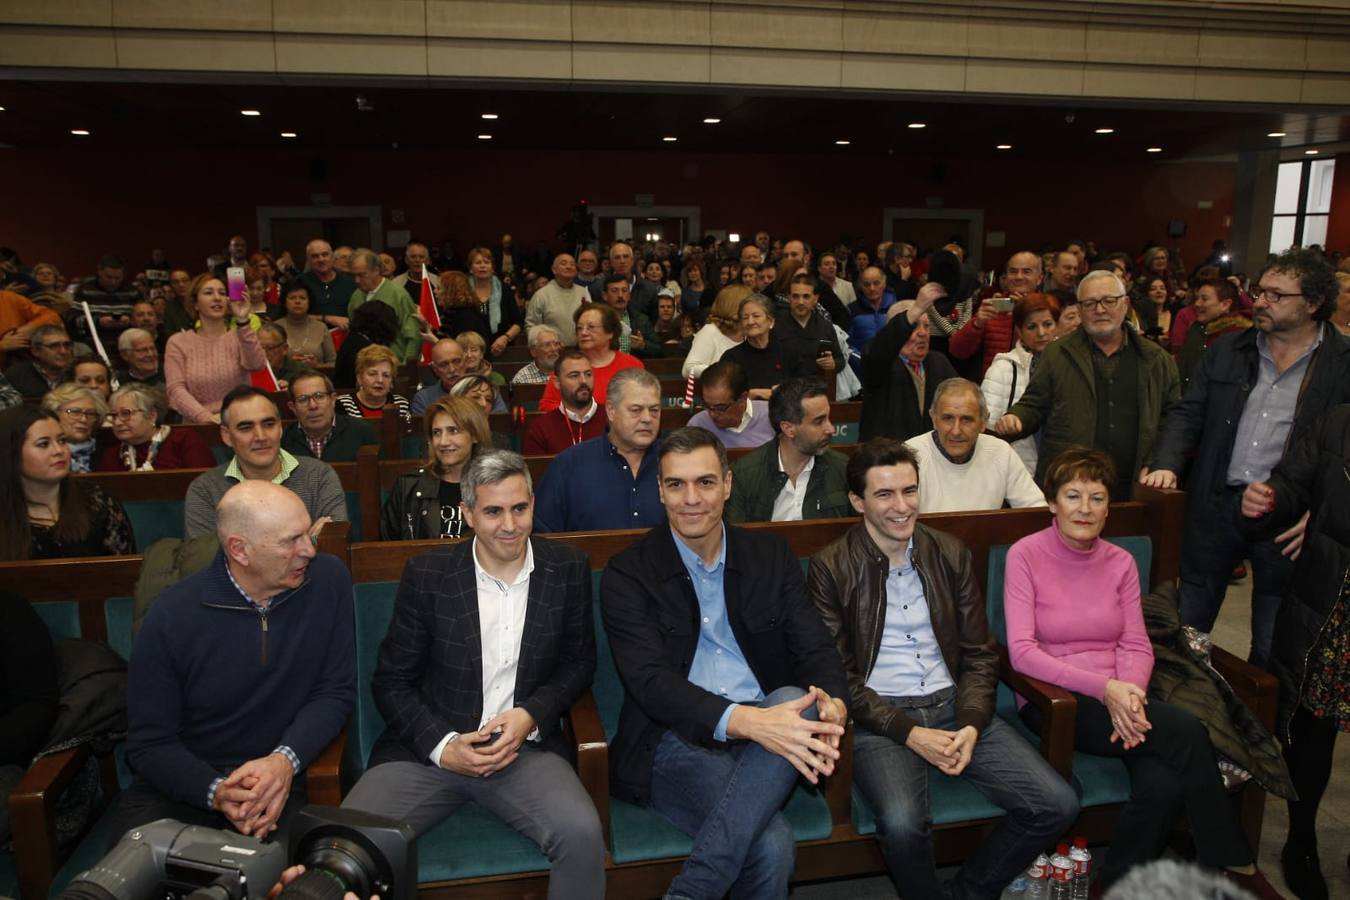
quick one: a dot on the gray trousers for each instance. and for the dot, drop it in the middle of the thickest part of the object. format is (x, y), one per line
(538, 795)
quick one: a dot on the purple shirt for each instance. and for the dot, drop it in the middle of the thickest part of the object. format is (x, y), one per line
(756, 433)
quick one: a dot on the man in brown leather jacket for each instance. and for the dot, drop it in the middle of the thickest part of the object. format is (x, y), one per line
(909, 621)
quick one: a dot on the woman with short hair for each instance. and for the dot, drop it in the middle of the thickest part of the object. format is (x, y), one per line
(1035, 319)
(143, 443)
(765, 359)
(375, 368)
(598, 330)
(425, 504)
(309, 339)
(80, 410)
(493, 310)
(720, 334)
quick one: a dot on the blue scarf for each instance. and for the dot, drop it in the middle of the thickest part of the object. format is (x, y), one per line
(493, 307)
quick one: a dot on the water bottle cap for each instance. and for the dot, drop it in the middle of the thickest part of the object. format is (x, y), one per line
(1062, 850)
(1080, 842)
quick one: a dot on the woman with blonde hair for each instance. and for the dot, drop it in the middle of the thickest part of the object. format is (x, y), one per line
(375, 368)
(722, 332)
(491, 308)
(425, 504)
(80, 410)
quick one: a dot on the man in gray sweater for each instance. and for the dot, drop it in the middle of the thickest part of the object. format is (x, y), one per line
(250, 425)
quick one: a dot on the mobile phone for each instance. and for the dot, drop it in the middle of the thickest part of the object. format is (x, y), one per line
(490, 740)
(1002, 304)
(234, 276)
(823, 347)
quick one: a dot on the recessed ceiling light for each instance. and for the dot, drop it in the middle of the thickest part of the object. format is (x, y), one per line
(249, 112)
(489, 115)
(918, 125)
(1153, 150)
(1106, 131)
(288, 134)
(1003, 147)
(2, 109)
(711, 120)
(670, 139)
(485, 137)
(1275, 134)
(82, 132)
(841, 143)
(1311, 153)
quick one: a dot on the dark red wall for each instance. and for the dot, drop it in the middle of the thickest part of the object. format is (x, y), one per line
(69, 206)
(1338, 225)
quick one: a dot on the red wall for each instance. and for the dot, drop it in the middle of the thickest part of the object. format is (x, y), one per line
(1338, 225)
(69, 206)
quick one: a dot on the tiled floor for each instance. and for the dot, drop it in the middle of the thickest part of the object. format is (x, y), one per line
(1233, 633)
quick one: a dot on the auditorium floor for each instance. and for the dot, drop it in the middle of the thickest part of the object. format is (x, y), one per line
(1233, 633)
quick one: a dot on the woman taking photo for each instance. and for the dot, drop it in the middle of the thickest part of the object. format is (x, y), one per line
(81, 411)
(598, 329)
(143, 444)
(1034, 320)
(44, 512)
(375, 367)
(308, 338)
(722, 332)
(1074, 619)
(425, 504)
(201, 366)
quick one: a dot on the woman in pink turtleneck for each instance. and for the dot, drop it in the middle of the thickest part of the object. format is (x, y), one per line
(1071, 601)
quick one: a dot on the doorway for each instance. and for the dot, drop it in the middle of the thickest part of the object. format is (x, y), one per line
(929, 229)
(672, 224)
(289, 228)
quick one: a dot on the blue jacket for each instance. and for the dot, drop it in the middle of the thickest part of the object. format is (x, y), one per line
(866, 321)
(589, 487)
(214, 683)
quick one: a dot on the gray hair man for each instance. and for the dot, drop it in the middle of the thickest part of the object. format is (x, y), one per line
(545, 344)
(137, 348)
(555, 304)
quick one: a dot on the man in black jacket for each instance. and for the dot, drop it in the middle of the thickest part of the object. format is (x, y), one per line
(899, 374)
(484, 724)
(318, 430)
(732, 686)
(1253, 394)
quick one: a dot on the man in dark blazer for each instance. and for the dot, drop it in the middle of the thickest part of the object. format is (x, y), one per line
(900, 374)
(732, 684)
(491, 641)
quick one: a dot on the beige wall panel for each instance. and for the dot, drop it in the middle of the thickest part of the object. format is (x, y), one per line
(25, 45)
(350, 55)
(1139, 81)
(778, 69)
(1254, 87)
(641, 22)
(1125, 44)
(1008, 38)
(538, 20)
(1329, 53)
(872, 32)
(91, 13)
(1259, 49)
(240, 15)
(1024, 77)
(904, 73)
(195, 52)
(780, 28)
(1332, 89)
(611, 62)
(447, 57)
(402, 17)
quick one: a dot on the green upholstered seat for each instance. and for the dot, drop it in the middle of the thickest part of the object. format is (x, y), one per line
(354, 516)
(152, 520)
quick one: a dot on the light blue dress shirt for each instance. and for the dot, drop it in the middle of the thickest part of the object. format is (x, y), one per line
(1268, 415)
(909, 663)
(719, 666)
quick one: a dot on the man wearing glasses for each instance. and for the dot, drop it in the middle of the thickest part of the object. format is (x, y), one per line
(52, 351)
(318, 430)
(1103, 386)
(1253, 394)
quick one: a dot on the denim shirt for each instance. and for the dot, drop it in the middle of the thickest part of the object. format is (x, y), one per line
(909, 663)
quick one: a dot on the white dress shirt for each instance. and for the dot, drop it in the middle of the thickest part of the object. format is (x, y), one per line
(787, 506)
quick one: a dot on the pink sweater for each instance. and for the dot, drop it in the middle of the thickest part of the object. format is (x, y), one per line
(200, 370)
(1074, 617)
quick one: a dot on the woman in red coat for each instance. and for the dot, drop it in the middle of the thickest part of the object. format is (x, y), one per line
(143, 444)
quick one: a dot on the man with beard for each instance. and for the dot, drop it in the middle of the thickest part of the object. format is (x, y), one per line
(578, 417)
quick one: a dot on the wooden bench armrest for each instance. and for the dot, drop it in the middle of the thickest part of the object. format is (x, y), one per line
(323, 778)
(838, 787)
(32, 817)
(1058, 710)
(592, 755)
(1257, 687)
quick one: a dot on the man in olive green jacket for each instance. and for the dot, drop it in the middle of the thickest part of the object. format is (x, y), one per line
(796, 475)
(372, 285)
(1102, 386)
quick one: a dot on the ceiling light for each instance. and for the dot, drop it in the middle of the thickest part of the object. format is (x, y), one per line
(2, 109)
(82, 132)
(842, 143)
(249, 112)
(734, 237)
(1003, 147)
(1153, 150)
(711, 120)
(485, 137)
(1275, 134)
(670, 139)
(918, 125)
(288, 134)
(1310, 152)
(1106, 131)
(489, 115)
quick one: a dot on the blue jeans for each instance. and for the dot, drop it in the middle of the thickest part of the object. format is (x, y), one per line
(1207, 560)
(729, 801)
(1040, 805)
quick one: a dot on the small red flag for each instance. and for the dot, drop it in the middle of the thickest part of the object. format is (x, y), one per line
(264, 379)
(426, 305)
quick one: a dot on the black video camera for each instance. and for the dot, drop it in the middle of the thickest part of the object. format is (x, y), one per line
(342, 851)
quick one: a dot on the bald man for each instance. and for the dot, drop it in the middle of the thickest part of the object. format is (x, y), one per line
(241, 674)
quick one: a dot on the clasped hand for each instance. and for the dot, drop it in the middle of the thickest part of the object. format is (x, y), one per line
(947, 751)
(253, 795)
(811, 746)
(1129, 723)
(471, 754)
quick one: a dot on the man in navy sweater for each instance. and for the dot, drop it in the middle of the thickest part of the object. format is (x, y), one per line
(241, 674)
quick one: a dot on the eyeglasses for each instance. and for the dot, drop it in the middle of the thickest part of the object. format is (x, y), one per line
(123, 415)
(270, 347)
(56, 345)
(1272, 296)
(76, 413)
(316, 397)
(1106, 303)
(721, 408)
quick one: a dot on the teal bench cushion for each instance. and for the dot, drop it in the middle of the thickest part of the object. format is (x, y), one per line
(117, 614)
(152, 520)
(354, 515)
(62, 618)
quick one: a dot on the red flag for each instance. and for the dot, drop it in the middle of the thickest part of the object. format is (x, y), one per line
(264, 379)
(426, 305)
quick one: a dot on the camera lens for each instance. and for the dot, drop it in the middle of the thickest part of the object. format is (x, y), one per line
(333, 868)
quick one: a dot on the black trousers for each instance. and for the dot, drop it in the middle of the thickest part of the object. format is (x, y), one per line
(1174, 771)
(140, 804)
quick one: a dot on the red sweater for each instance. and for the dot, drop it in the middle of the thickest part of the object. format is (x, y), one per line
(182, 449)
(551, 398)
(996, 337)
(551, 433)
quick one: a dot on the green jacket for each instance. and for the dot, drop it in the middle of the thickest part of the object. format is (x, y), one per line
(756, 480)
(407, 343)
(1061, 399)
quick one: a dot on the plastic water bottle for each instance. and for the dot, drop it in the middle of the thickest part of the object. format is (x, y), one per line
(1082, 868)
(1038, 874)
(1017, 887)
(1061, 874)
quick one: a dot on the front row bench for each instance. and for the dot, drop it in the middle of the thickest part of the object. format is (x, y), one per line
(474, 854)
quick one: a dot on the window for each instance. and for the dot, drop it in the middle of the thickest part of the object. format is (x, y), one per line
(1302, 204)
